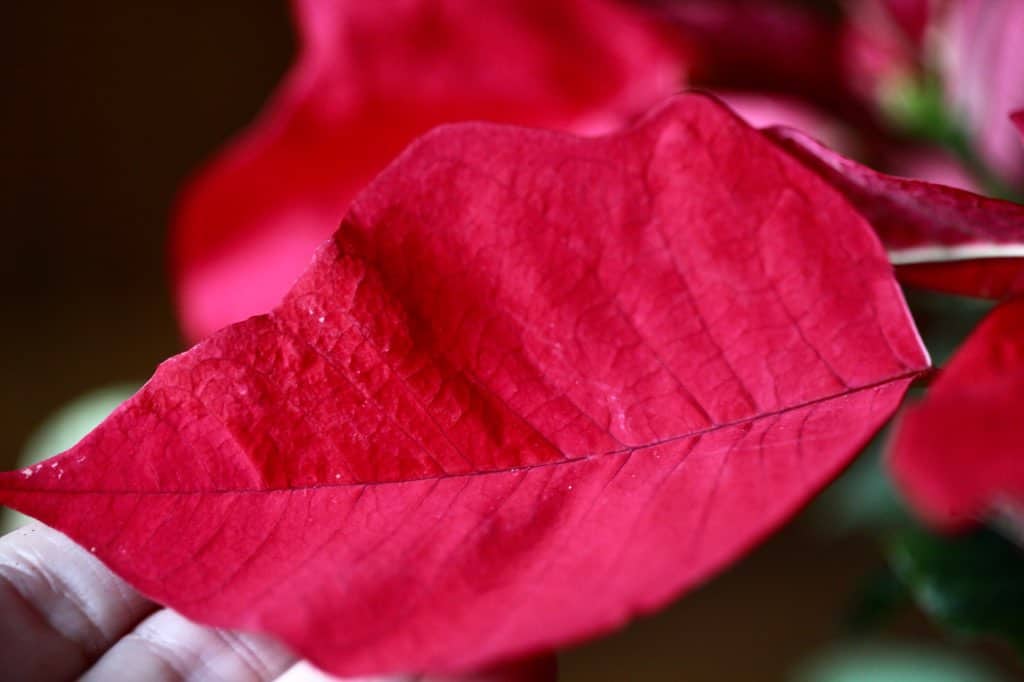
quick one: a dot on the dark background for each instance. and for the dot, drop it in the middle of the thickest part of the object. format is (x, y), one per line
(107, 107)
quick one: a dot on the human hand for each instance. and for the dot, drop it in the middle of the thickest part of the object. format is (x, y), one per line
(65, 615)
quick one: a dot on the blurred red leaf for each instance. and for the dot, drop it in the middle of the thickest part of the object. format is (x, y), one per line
(759, 45)
(878, 44)
(370, 77)
(926, 162)
(912, 16)
(535, 384)
(959, 453)
(941, 237)
(981, 56)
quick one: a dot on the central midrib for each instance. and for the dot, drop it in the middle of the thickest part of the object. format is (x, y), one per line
(489, 472)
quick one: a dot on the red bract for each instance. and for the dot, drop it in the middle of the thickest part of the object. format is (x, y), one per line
(535, 384)
(371, 76)
(959, 453)
(941, 237)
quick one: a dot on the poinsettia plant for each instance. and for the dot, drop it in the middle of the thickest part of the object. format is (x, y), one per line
(502, 339)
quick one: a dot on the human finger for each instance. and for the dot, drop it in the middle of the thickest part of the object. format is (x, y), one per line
(62, 607)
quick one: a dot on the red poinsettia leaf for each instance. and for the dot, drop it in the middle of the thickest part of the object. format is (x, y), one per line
(993, 278)
(942, 237)
(1017, 118)
(959, 453)
(534, 385)
(371, 77)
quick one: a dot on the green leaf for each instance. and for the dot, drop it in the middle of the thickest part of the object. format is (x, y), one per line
(972, 584)
(880, 596)
(916, 107)
(893, 663)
